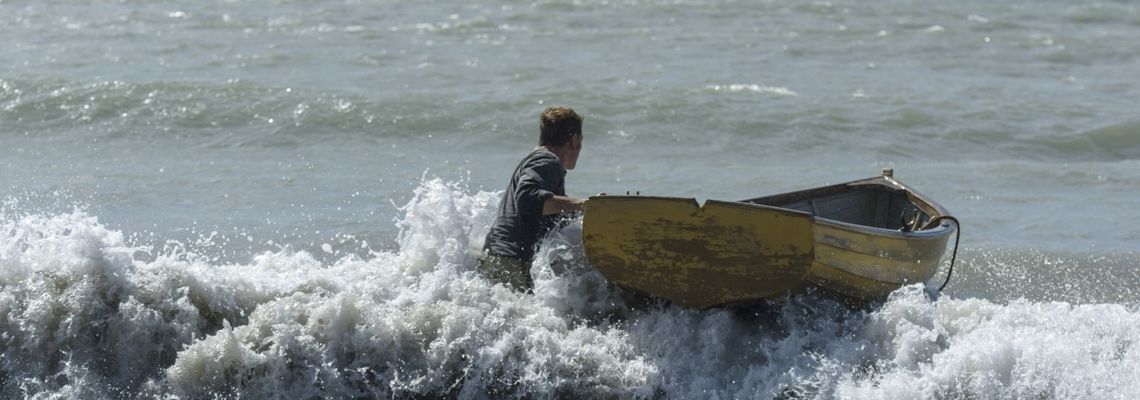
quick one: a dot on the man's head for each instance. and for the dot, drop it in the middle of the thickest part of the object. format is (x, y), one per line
(561, 128)
(557, 125)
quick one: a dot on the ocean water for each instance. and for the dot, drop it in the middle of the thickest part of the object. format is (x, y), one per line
(279, 199)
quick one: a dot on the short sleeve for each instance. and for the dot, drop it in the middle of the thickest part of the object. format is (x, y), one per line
(537, 182)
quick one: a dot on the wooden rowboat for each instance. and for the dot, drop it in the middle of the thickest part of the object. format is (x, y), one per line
(862, 239)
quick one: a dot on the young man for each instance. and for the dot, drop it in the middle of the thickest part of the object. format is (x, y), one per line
(535, 195)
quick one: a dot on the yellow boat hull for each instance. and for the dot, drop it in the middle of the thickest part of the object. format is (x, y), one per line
(733, 252)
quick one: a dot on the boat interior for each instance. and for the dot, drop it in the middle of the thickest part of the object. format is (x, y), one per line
(875, 206)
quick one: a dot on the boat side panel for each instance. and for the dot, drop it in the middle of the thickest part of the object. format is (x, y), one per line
(891, 245)
(849, 284)
(898, 272)
(723, 252)
(863, 263)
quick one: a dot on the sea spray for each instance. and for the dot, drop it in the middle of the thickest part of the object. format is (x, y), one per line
(85, 313)
(288, 325)
(441, 224)
(973, 348)
(397, 329)
(565, 281)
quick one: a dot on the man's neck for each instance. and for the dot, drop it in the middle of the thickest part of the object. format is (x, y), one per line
(560, 151)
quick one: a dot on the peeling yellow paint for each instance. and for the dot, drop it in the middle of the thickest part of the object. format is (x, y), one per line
(731, 252)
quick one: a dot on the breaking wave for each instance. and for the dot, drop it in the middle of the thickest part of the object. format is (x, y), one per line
(84, 313)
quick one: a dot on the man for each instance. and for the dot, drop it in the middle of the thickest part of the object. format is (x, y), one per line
(535, 195)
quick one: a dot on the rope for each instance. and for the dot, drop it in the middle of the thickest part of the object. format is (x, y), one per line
(954, 255)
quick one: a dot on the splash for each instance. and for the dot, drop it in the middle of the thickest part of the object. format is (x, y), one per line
(85, 313)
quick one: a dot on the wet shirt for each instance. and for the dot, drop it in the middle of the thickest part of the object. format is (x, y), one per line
(520, 223)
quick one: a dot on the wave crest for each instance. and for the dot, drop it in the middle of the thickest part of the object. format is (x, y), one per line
(86, 314)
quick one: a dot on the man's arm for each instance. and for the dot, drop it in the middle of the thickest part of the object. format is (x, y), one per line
(558, 204)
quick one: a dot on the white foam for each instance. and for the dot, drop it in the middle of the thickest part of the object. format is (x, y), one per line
(83, 316)
(754, 88)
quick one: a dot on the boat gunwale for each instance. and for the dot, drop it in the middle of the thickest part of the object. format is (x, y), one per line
(925, 234)
(702, 206)
(931, 208)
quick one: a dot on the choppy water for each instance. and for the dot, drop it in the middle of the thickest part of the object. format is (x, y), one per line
(282, 199)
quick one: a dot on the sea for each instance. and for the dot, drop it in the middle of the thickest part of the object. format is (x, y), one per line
(275, 199)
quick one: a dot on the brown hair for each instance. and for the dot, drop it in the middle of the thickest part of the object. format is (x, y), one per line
(557, 125)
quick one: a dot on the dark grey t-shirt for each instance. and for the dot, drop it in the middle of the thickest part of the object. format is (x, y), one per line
(520, 223)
